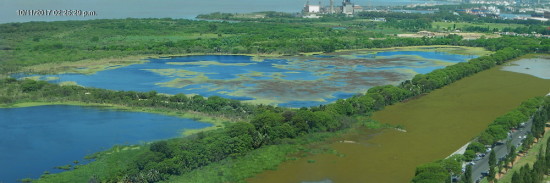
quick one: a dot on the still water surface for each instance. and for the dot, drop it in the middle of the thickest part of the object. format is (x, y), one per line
(36, 139)
(286, 81)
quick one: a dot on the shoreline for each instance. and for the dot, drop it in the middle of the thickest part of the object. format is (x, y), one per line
(416, 48)
(92, 66)
(103, 64)
(217, 122)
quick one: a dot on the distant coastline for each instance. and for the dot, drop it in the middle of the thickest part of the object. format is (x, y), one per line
(174, 9)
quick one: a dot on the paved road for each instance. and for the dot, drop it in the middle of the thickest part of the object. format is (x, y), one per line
(500, 151)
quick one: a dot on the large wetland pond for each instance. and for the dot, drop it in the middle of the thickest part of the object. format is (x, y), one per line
(296, 81)
(36, 139)
(437, 124)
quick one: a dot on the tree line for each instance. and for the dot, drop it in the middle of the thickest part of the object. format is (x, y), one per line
(33, 43)
(536, 172)
(26, 90)
(538, 108)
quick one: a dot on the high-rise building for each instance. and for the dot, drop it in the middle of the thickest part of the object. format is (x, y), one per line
(347, 7)
(331, 7)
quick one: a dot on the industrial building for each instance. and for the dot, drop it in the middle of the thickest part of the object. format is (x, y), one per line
(347, 8)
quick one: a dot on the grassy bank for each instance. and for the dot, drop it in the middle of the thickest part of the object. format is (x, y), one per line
(459, 50)
(106, 162)
(265, 158)
(233, 169)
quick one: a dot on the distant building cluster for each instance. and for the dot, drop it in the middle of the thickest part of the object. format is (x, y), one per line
(482, 11)
(493, 2)
(348, 8)
(503, 2)
(539, 14)
(524, 35)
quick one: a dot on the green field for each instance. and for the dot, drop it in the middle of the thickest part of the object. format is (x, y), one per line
(437, 124)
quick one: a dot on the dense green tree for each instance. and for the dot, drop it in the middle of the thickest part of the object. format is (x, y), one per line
(267, 120)
(161, 147)
(469, 155)
(467, 177)
(476, 147)
(497, 132)
(430, 172)
(492, 165)
(511, 155)
(29, 85)
(486, 138)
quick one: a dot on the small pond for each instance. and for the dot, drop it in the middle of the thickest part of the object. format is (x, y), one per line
(36, 139)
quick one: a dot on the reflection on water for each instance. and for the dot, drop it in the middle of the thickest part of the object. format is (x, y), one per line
(538, 67)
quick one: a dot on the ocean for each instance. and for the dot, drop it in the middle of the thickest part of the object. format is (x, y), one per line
(10, 10)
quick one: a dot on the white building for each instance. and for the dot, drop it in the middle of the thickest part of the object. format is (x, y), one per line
(347, 7)
(312, 8)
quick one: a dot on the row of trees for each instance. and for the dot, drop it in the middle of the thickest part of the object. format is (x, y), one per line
(27, 44)
(31, 90)
(445, 13)
(538, 108)
(539, 169)
(438, 171)
(498, 129)
(520, 30)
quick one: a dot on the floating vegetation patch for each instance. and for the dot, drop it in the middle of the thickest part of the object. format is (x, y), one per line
(207, 63)
(291, 81)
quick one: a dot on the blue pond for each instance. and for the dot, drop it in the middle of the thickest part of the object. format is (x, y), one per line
(36, 139)
(284, 81)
